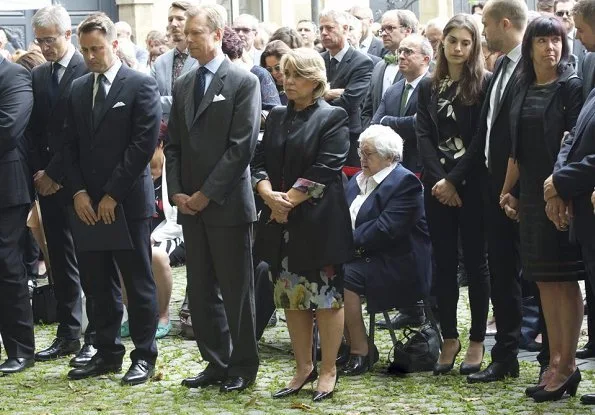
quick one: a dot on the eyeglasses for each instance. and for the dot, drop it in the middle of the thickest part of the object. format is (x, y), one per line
(406, 51)
(48, 41)
(244, 30)
(365, 154)
(561, 13)
(388, 28)
(276, 68)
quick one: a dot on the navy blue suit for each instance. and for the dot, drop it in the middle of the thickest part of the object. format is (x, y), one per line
(392, 238)
(388, 113)
(112, 158)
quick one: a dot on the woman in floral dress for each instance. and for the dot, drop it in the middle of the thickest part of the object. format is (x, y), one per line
(448, 110)
(304, 231)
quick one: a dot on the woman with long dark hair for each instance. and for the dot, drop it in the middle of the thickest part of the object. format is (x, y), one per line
(546, 105)
(448, 110)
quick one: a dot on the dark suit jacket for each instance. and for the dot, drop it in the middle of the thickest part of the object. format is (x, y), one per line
(588, 74)
(113, 158)
(16, 103)
(377, 48)
(311, 144)
(375, 59)
(392, 237)
(374, 92)
(428, 135)
(210, 148)
(388, 114)
(574, 173)
(46, 127)
(578, 56)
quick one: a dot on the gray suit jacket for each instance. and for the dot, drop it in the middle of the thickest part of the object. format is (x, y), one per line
(588, 74)
(162, 72)
(210, 148)
(377, 48)
(578, 55)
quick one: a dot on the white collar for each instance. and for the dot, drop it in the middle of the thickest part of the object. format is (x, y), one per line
(362, 179)
(111, 73)
(416, 80)
(214, 64)
(65, 61)
(367, 41)
(339, 56)
(515, 54)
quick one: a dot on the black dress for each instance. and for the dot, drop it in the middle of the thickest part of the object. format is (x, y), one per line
(546, 253)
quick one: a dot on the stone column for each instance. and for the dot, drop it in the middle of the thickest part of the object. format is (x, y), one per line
(139, 14)
(429, 9)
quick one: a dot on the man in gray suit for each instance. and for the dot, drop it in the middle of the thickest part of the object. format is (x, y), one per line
(175, 62)
(396, 25)
(213, 129)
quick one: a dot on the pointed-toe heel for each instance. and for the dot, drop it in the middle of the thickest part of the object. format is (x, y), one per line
(442, 368)
(294, 391)
(318, 396)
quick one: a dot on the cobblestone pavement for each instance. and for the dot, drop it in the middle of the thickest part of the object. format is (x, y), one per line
(45, 389)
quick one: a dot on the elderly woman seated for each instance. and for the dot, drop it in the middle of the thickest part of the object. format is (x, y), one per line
(392, 265)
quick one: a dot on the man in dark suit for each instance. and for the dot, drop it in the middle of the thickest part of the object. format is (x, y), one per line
(348, 73)
(504, 25)
(112, 130)
(51, 88)
(209, 181)
(368, 43)
(396, 26)
(563, 11)
(399, 104)
(16, 317)
(354, 36)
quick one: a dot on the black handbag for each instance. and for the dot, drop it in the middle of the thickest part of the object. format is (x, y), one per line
(44, 304)
(421, 349)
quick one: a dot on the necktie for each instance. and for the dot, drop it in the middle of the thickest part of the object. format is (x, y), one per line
(179, 61)
(404, 96)
(199, 86)
(54, 87)
(333, 69)
(500, 85)
(99, 99)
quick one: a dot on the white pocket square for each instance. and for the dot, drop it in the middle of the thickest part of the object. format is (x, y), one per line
(119, 104)
(218, 98)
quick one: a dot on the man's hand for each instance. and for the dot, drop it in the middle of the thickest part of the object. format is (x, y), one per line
(84, 210)
(510, 204)
(333, 94)
(549, 190)
(106, 209)
(44, 185)
(556, 211)
(446, 193)
(198, 202)
(279, 217)
(279, 203)
(180, 200)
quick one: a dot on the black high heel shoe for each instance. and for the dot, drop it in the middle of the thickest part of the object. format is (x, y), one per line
(467, 368)
(318, 396)
(531, 390)
(293, 391)
(441, 368)
(570, 387)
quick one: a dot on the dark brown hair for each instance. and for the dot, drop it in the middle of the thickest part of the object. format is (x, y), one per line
(31, 59)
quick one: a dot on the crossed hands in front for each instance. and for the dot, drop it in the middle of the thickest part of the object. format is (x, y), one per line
(279, 204)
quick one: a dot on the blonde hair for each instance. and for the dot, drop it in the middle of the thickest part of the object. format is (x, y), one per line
(307, 64)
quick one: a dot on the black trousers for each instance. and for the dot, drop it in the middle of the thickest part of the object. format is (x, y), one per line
(445, 223)
(504, 264)
(135, 267)
(221, 296)
(263, 296)
(65, 270)
(30, 254)
(16, 316)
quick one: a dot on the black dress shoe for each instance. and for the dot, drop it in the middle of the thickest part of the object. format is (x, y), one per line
(235, 383)
(588, 399)
(294, 391)
(15, 365)
(569, 386)
(60, 347)
(318, 396)
(402, 320)
(586, 352)
(496, 371)
(357, 364)
(84, 356)
(139, 372)
(202, 380)
(96, 367)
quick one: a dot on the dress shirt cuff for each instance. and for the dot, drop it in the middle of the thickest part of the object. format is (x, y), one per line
(312, 189)
(80, 191)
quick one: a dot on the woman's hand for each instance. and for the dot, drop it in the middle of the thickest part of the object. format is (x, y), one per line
(510, 204)
(278, 217)
(557, 211)
(279, 203)
(446, 193)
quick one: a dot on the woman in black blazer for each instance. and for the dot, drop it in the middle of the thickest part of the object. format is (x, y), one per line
(448, 110)
(304, 231)
(546, 105)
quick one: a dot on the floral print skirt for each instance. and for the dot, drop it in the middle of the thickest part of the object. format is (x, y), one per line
(308, 290)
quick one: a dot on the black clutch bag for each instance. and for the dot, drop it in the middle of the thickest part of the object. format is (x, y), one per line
(44, 303)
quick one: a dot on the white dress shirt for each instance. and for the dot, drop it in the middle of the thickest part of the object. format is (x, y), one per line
(110, 75)
(366, 187)
(339, 56)
(213, 66)
(65, 61)
(413, 84)
(365, 44)
(390, 73)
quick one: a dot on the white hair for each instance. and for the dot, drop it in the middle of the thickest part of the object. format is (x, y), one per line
(122, 26)
(385, 140)
(437, 22)
(339, 17)
(50, 16)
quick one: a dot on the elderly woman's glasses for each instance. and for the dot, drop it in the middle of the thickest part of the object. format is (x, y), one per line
(365, 154)
(276, 68)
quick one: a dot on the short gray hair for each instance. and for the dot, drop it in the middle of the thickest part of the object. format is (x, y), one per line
(586, 10)
(215, 18)
(337, 16)
(49, 16)
(406, 18)
(424, 44)
(251, 19)
(385, 140)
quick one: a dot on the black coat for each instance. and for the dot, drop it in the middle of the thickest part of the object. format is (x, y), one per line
(311, 144)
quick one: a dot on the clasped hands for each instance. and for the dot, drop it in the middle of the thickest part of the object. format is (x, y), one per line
(44, 184)
(556, 209)
(279, 204)
(446, 193)
(105, 210)
(191, 205)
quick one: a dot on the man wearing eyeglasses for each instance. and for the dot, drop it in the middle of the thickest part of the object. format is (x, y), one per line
(246, 26)
(52, 82)
(563, 11)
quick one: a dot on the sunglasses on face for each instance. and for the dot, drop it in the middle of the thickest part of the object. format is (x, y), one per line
(561, 13)
(276, 68)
